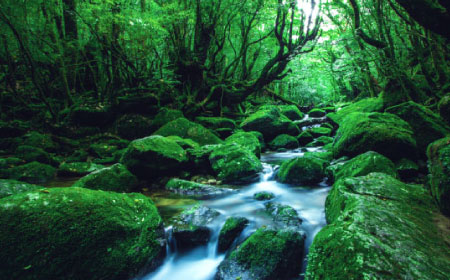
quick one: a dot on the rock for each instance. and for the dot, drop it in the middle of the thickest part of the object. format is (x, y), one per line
(103, 150)
(311, 122)
(231, 230)
(379, 228)
(38, 140)
(137, 103)
(270, 122)
(216, 122)
(235, 164)
(316, 113)
(11, 187)
(133, 126)
(284, 216)
(153, 156)
(115, 178)
(260, 137)
(247, 140)
(184, 187)
(186, 129)
(284, 141)
(302, 171)
(266, 254)
(91, 115)
(384, 133)
(363, 165)
(321, 141)
(444, 108)
(407, 169)
(367, 105)
(439, 167)
(10, 162)
(263, 196)
(74, 169)
(320, 131)
(29, 154)
(199, 158)
(305, 138)
(292, 112)
(166, 115)
(427, 126)
(78, 156)
(184, 143)
(34, 173)
(75, 233)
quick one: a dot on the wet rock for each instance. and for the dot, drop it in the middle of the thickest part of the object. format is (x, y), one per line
(195, 189)
(263, 196)
(153, 156)
(231, 230)
(292, 112)
(74, 169)
(186, 129)
(379, 228)
(235, 164)
(439, 167)
(267, 254)
(11, 187)
(29, 154)
(316, 113)
(34, 173)
(368, 105)
(247, 140)
(115, 178)
(284, 141)
(133, 126)
(78, 233)
(284, 216)
(302, 171)
(384, 133)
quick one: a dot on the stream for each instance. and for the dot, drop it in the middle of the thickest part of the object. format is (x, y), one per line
(201, 263)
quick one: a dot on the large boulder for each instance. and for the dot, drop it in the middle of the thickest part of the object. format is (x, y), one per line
(199, 158)
(292, 112)
(384, 133)
(33, 172)
(38, 140)
(367, 105)
(75, 233)
(235, 164)
(115, 178)
(247, 140)
(29, 154)
(444, 108)
(187, 129)
(439, 166)
(270, 122)
(379, 228)
(231, 230)
(302, 171)
(153, 156)
(283, 141)
(267, 254)
(426, 125)
(11, 187)
(216, 122)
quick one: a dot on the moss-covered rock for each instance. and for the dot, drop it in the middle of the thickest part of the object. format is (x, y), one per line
(235, 164)
(78, 168)
(302, 171)
(444, 108)
(38, 140)
(321, 141)
(379, 228)
(407, 169)
(153, 156)
(363, 165)
(439, 166)
(368, 105)
(115, 178)
(78, 156)
(216, 122)
(103, 150)
(75, 233)
(231, 230)
(283, 216)
(320, 131)
(305, 138)
(384, 133)
(292, 112)
(186, 129)
(184, 143)
(247, 140)
(166, 115)
(133, 126)
(261, 196)
(11, 187)
(29, 154)
(199, 158)
(284, 141)
(316, 113)
(427, 126)
(10, 162)
(266, 254)
(33, 172)
(260, 137)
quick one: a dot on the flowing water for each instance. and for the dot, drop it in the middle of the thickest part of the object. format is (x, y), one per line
(201, 263)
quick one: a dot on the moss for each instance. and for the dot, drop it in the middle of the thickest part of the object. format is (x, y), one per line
(321, 141)
(263, 196)
(283, 215)
(444, 108)
(292, 112)
(29, 154)
(379, 228)
(153, 156)
(166, 115)
(78, 168)
(384, 133)
(305, 138)
(216, 122)
(15, 128)
(234, 163)
(320, 131)
(10, 162)
(247, 140)
(427, 126)
(284, 141)
(260, 137)
(231, 230)
(178, 184)
(316, 113)
(75, 233)
(302, 170)
(133, 126)
(439, 167)
(38, 140)
(34, 173)
(407, 169)
(367, 105)
(11, 187)
(102, 150)
(186, 129)
(184, 143)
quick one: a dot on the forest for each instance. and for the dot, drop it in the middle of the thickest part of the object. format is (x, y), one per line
(224, 139)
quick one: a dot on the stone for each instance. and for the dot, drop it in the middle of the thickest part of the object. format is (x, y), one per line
(231, 230)
(190, 188)
(367, 105)
(261, 196)
(292, 112)
(302, 171)
(247, 140)
(284, 141)
(165, 116)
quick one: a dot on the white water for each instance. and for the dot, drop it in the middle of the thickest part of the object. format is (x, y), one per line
(201, 263)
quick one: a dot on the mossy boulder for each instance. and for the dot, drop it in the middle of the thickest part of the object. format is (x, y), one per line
(235, 164)
(444, 108)
(231, 230)
(284, 141)
(292, 112)
(247, 140)
(38, 140)
(427, 126)
(75, 233)
(367, 105)
(260, 137)
(283, 216)
(29, 154)
(186, 129)
(166, 115)
(320, 131)
(321, 141)
(302, 171)
(216, 122)
(305, 138)
(11, 187)
(115, 178)
(184, 143)
(379, 228)
(270, 122)
(362, 165)
(384, 133)
(261, 196)
(439, 167)
(153, 156)
(74, 169)
(199, 158)
(33, 172)
(266, 254)
(133, 126)
(316, 113)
